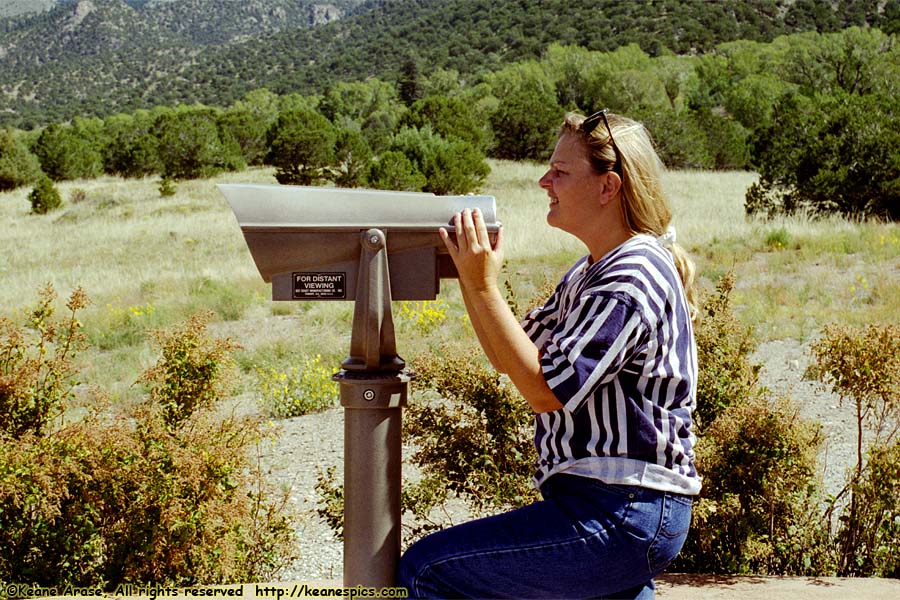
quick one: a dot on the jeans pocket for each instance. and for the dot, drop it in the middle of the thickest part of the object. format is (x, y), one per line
(673, 530)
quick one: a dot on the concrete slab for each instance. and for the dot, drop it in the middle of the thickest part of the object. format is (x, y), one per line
(674, 586)
(671, 586)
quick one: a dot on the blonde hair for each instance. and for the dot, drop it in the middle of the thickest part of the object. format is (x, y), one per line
(645, 208)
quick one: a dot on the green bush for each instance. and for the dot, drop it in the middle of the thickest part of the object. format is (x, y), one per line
(862, 366)
(191, 145)
(394, 171)
(103, 504)
(36, 365)
(167, 186)
(679, 139)
(330, 503)
(133, 148)
(248, 131)
(875, 523)
(758, 509)
(527, 116)
(450, 117)
(724, 345)
(106, 500)
(18, 166)
(190, 375)
(44, 197)
(354, 157)
(476, 440)
(473, 438)
(67, 152)
(830, 155)
(301, 146)
(449, 166)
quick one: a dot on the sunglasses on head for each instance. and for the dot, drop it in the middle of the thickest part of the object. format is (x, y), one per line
(590, 124)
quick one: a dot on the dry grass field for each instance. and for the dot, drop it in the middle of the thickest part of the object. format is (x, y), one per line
(149, 262)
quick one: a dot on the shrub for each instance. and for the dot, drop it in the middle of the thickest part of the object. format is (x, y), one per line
(394, 171)
(527, 114)
(191, 372)
(862, 365)
(724, 345)
(44, 197)
(679, 138)
(129, 502)
(301, 145)
(354, 155)
(108, 500)
(248, 131)
(834, 154)
(757, 512)
(133, 148)
(36, 365)
(18, 166)
(191, 145)
(475, 441)
(330, 504)
(298, 391)
(68, 152)
(875, 522)
(449, 116)
(166, 186)
(449, 166)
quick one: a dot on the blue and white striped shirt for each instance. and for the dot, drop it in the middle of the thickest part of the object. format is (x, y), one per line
(617, 349)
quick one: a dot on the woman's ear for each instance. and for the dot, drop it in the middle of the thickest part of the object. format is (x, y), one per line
(612, 184)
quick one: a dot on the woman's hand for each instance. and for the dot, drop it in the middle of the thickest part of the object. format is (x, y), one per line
(477, 261)
(509, 349)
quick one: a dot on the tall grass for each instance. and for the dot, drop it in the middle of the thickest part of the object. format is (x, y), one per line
(148, 261)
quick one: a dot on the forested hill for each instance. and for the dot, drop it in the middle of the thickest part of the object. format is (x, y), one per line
(92, 57)
(96, 57)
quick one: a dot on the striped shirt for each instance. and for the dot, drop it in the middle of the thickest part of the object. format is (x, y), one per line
(617, 349)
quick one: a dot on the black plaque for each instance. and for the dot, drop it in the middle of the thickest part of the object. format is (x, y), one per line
(320, 286)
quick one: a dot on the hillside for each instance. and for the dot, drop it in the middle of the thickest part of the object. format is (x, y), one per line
(96, 57)
(14, 8)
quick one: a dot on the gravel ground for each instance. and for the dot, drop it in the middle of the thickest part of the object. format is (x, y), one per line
(303, 445)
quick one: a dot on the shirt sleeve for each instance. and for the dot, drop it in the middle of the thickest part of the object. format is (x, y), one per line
(597, 339)
(540, 322)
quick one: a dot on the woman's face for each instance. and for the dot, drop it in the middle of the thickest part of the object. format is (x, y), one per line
(574, 188)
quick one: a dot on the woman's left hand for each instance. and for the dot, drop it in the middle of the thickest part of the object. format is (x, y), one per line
(477, 260)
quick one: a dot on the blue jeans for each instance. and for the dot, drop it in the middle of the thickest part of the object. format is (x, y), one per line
(585, 539)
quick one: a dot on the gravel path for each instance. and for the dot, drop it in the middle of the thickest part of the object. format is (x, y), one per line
(303, 445)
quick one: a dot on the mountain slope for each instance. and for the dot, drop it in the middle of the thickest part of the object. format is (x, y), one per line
(94, 57)
(14, 8)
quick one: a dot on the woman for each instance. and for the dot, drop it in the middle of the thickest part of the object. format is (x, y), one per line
(608, 365)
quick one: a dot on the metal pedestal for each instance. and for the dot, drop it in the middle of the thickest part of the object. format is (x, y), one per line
(374, 387)
(372, 458)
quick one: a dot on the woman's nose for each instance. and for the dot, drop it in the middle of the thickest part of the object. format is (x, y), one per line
(544, 181)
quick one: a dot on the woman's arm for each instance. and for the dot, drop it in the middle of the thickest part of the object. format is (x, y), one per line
(485, 341)
(497, 328)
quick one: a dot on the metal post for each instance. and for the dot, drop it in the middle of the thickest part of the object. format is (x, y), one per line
(372, 457)
(373, 392)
